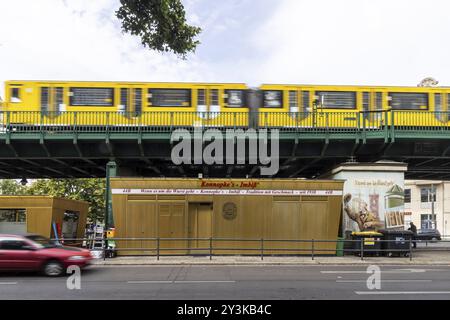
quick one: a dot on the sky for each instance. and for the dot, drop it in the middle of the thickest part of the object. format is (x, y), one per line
(381, 42)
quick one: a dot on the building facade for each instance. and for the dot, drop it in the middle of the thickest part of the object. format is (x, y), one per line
(187, 213)
(428, 203)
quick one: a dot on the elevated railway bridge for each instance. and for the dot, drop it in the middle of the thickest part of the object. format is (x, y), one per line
(60, 146)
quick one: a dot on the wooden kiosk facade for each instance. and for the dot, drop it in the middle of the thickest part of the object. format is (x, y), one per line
(40, 212)
(227, 209)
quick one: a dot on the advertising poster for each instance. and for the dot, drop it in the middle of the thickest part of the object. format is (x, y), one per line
(372, 200)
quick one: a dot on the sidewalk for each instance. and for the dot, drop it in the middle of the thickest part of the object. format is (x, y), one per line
(419, 258)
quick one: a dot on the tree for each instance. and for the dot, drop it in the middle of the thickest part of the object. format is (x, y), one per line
(12, 188)
(90, 190)
(161, 25)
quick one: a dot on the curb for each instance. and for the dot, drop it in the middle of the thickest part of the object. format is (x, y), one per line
(315, 263)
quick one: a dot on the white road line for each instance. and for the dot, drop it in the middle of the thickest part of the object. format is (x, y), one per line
(206, 281)
(8, 283)
(150, 281)
(393, 281)
(365, 272)
(399, 292)
(180, 281)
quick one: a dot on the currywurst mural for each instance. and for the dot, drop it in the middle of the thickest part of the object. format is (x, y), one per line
(372, 199)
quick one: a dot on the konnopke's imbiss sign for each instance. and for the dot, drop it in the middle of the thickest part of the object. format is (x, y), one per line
(233, 192)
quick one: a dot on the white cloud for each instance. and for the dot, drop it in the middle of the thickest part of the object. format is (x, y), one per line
(355, 42)
(79, 40)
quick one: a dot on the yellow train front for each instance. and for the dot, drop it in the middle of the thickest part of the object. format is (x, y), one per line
(125, 104)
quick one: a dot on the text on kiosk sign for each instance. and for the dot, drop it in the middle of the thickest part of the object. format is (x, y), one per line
(229, 192)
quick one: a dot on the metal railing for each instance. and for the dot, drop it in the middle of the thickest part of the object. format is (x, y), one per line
(265, 247)
(167, 121)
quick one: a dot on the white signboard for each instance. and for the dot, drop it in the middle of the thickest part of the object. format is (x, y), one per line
(229, 192)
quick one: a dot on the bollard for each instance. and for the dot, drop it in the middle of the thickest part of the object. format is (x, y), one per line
(312, 249)
(262, 249)
(210, 248)
(362, 249)
(410, 249)
(157, 248)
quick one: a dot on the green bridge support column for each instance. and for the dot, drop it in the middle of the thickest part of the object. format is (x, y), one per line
(111, 171)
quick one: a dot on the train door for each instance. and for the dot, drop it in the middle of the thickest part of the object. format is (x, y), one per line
(52, 99)
(209, 102)
(130, 101)
(372, 108)
(441, 106)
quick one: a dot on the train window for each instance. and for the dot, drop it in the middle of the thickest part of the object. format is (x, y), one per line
(273, 99)
(437, 102)
(408, 101)
(293, 99)
(95, 97)
(234, 98)
(214, 97)
(124, 99)
(201, 97)
(337, 99)
(305, 101)
(58, 101)
(366, 101)
(138, 100)
(379, 100)
(169, 97)
(15, 94)
(45, 98)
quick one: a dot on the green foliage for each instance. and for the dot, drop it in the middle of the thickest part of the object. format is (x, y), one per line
(12, 188)
(161, 25)
(90, 190)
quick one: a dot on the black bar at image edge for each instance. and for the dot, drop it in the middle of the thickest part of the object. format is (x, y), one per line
(220, 309)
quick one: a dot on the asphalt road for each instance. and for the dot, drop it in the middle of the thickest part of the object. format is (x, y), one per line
(234, 282)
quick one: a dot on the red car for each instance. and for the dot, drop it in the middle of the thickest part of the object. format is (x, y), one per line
(37, 253)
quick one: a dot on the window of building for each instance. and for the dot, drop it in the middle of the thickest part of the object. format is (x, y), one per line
(95, 97)
(337, 99)
(426, 221)
(13, 215)
(169, 97)
(427, 194)
(407, 195)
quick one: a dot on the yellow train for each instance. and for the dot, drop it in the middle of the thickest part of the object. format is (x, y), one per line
(221, 104)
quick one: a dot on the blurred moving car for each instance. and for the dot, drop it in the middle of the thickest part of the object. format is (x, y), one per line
(37, 253)
(428, 234)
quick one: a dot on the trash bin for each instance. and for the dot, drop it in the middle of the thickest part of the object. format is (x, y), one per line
(340, 247)
(396, 240)
(371, 242)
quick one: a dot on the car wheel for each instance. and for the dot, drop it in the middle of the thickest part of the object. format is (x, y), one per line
(434, 239)
(53, 268)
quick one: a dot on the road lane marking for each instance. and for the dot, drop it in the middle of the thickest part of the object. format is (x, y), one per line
(8, 283)
(393, 281)
(150, 281)
(180, 281)
(365, 272)
(399, 292)
(206, 281)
